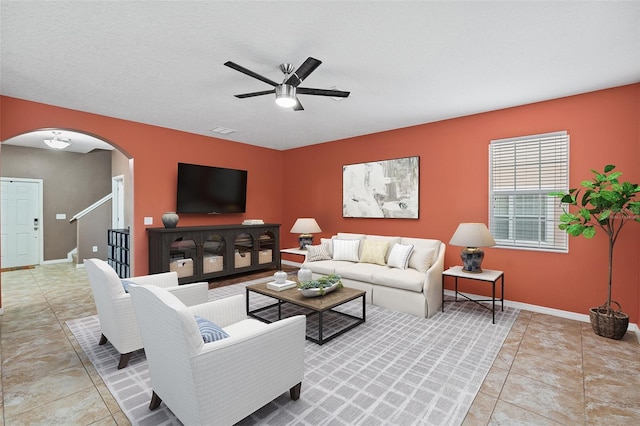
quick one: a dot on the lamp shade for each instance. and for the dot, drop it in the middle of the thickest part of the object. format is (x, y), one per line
(306, 225)
(472, 235)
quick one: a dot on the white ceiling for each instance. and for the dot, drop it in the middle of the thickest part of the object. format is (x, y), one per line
(405, 62)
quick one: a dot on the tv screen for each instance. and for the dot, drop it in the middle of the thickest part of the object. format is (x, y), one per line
(206, 189)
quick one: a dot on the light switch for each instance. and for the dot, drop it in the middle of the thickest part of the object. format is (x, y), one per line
(148, 220)
(61, 216)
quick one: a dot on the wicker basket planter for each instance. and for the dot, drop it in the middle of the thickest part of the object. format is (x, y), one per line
(609, 323)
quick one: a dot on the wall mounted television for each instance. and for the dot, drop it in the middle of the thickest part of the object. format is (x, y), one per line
(211, 190)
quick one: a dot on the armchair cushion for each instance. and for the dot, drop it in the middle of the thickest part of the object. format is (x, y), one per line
(126, 284)
(209, 331)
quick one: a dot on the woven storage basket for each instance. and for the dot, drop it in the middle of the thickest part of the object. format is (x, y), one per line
(612, 326)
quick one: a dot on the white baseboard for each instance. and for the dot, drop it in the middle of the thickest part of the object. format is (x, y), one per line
(633, 328)
(52, 261)
(1, 310)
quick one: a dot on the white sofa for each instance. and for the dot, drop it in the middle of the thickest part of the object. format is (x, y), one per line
(416, 290)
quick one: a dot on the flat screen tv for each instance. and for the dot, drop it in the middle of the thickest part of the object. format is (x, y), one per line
(212, 190)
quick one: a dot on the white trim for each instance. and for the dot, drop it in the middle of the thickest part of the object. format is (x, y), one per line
(54, 261)
(633, 328)
(1, 310)
(91, 207)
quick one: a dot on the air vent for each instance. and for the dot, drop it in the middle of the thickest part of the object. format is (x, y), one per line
(222, 130)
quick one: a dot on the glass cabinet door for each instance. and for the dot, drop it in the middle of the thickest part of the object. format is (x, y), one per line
(213, 256)
(243, 250)
(182, 255)
(266, 247)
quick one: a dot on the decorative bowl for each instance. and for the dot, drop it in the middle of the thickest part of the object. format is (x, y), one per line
(313, 292)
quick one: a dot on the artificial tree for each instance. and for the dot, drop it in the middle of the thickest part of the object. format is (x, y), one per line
(607, 204)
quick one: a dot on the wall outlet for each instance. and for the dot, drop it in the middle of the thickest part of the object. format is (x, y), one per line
(95, 249)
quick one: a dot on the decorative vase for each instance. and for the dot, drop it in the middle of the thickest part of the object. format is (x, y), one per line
(304, 274)
(170, 219)
(280, 277)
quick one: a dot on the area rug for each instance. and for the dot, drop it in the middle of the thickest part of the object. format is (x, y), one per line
(395, 369)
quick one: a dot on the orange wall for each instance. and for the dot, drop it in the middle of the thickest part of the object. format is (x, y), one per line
(604, 129)
(156, 152)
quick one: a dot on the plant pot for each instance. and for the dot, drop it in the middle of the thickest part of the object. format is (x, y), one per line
(612, 325)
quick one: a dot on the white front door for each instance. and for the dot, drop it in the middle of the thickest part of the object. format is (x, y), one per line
(21, 221)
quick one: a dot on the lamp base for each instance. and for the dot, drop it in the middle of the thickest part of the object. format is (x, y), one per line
(305, 240)
(472, 259)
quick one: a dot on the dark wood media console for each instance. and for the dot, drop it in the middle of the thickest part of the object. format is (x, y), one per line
(201, 253)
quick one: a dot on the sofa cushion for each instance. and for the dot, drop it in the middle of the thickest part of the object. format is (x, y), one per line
(316, 253)
(399, 256)
(346, 250)
(421, 258)
(405, 279)
(374, 251)
(324, 267)
(359, 271)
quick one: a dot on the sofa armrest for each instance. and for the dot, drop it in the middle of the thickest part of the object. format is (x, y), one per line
(433, 283)
(162, 280)
(223, 312)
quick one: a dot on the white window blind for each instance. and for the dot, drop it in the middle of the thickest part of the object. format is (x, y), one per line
(522, 173)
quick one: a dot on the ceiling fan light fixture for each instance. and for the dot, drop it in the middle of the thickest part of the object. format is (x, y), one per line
(286, 95)
(58, 142)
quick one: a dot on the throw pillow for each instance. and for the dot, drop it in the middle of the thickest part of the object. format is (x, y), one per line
(399, 256)
(328, 245)
(421, 259)
(374, 252)
(126, 284)
(316, 253)
(346, 250)
(209, 331)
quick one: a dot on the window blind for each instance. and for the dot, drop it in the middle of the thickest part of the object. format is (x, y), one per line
(522, 173)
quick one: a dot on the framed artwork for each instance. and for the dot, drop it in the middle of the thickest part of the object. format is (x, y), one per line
(381, 189)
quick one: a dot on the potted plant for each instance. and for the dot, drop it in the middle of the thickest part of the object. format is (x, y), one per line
(608, 204)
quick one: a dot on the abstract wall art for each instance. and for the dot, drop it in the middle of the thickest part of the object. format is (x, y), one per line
(381, 189)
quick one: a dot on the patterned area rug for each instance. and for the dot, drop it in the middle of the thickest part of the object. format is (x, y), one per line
(395, 369)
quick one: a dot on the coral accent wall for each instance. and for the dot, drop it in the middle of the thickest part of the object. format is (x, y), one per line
(604, 129)
(156, 152)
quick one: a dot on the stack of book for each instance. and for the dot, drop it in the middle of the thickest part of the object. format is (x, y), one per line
(281, 286)
(253, 222)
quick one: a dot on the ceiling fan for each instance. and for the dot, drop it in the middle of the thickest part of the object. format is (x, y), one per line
(287, 91)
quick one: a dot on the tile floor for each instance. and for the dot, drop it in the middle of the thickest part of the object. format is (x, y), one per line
(550, 371)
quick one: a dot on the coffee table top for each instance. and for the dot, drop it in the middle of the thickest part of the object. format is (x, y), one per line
(318, 303)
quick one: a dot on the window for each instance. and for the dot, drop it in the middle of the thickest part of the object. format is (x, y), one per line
(522, 173)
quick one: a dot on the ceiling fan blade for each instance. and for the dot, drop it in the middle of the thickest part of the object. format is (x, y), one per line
(298, 105)
(322, 92)
(250, 73)
(303, 71)
(252, 94)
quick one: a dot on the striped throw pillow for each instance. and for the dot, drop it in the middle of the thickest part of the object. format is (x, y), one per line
(346, 250)
(209, 331)
(399, 256)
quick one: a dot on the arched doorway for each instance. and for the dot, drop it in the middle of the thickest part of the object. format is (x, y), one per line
(73, 181)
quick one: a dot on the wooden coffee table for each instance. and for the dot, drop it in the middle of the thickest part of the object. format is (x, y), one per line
(320, 306)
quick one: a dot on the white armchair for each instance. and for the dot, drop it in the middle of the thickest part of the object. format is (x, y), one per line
(223, 381)
(115, 311)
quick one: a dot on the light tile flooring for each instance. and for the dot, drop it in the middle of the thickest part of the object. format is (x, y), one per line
(550, 371)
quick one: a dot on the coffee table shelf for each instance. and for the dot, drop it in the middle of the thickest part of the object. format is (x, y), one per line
(324, 323)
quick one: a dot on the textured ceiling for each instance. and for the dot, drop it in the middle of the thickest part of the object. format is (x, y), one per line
(405, 63)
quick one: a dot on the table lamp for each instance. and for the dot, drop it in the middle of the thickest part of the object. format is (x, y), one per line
(472, 236)
(306, 227)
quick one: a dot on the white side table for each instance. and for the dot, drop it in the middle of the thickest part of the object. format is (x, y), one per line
(486, 275)
(296, 251)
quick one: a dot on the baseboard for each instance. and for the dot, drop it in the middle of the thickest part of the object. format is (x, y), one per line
(633, 328)
(52, 261)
